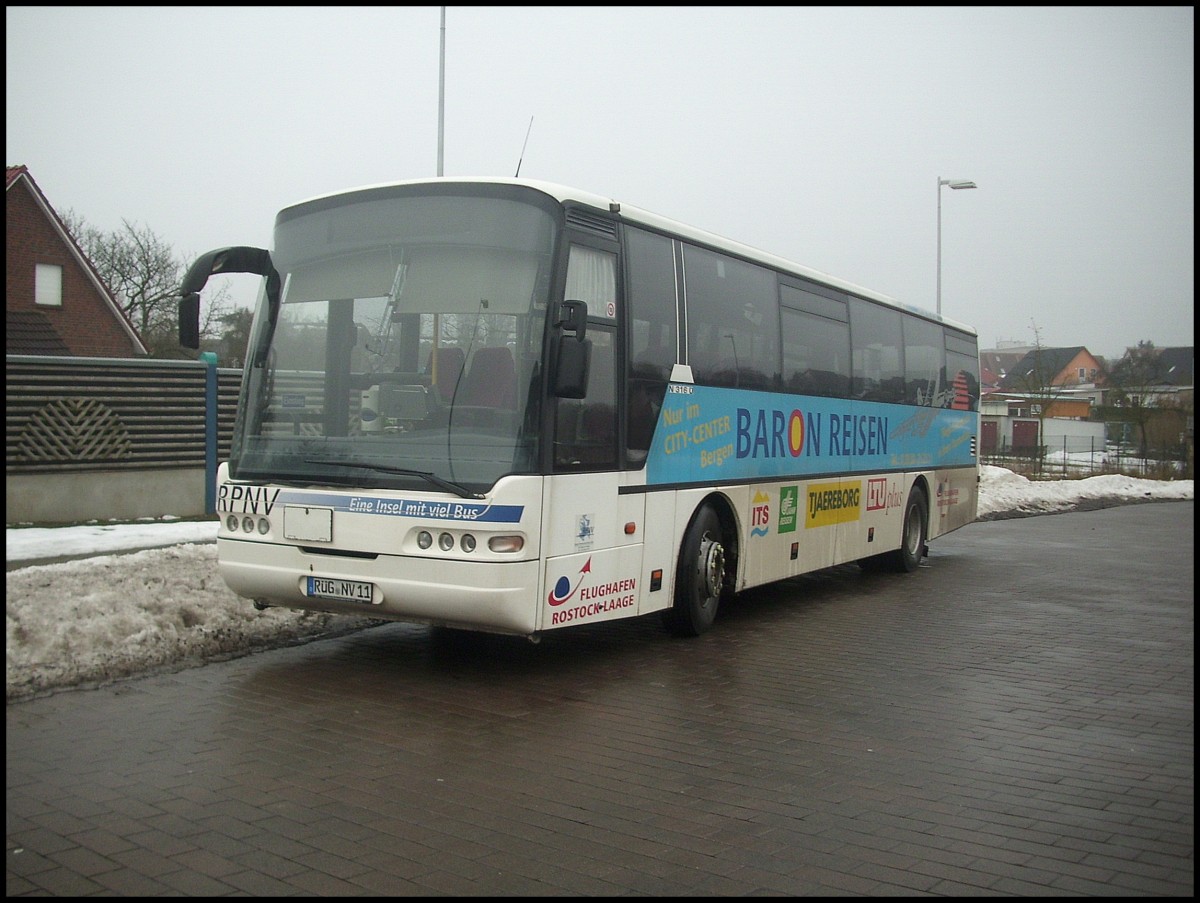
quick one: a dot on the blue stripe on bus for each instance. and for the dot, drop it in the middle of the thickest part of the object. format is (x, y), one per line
(706, 434)
(472, 512)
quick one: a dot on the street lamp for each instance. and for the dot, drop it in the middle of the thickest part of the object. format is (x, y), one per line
(955, 184)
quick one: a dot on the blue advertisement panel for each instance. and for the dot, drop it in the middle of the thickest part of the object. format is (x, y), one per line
(708, 435)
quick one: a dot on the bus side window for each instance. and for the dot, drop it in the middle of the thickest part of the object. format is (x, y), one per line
(647, 387)
(877, 352)
(585, 436)
(654, 338)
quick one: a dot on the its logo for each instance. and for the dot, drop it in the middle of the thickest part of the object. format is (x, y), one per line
(563, 590)
(760, 515)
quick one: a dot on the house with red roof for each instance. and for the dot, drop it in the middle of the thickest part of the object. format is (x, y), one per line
(55, 301)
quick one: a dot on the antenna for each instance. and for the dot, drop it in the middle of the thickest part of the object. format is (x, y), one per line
(519, 161)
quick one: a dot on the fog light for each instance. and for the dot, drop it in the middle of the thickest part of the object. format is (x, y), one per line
(264, 526)
(231, 523)
(248, 524)
(467, 542)
(424, 539)
(445, 542)
(506, 543)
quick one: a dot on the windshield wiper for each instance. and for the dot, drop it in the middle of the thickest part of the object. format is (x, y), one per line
(460, 491)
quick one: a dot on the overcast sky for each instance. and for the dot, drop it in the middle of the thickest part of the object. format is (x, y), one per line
(817, 134)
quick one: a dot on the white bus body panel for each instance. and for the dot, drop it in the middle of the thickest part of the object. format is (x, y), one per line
(372, 536)
(485, 595)
(599, 553)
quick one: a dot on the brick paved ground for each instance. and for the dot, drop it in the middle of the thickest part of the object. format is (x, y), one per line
(1015, 719)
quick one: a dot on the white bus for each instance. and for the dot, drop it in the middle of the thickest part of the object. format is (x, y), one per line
(509, 406)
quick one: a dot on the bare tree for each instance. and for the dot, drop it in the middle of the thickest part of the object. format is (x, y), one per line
(143, 273)
(1036, 382)
(1137, 372)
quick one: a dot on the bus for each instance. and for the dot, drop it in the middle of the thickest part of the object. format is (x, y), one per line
(509, 406)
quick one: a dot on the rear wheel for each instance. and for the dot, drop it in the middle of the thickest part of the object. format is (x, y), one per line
(700, 578)
(907, 558)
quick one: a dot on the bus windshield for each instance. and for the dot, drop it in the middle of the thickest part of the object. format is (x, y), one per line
(403, 350)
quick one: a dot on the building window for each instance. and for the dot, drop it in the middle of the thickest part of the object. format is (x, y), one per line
(48, 285)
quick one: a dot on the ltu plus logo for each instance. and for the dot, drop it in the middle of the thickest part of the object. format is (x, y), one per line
(563, 589)
(881, 495)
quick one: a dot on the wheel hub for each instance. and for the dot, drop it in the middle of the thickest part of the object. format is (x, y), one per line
(712, 566)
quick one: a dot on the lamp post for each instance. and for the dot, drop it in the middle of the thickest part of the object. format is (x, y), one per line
(442, 96)
(955, 184)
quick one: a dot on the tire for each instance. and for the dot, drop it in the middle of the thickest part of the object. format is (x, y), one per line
(907, 558)
(700, 578)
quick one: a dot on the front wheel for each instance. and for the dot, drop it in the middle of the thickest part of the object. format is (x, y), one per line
(700, 578)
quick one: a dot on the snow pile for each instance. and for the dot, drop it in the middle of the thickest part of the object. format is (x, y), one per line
(1004, 494)
(100, 619)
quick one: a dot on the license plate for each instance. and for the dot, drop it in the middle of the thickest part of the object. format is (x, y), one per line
(342, 590)
(308, 524)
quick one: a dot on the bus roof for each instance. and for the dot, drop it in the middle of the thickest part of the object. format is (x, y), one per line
(637, 215)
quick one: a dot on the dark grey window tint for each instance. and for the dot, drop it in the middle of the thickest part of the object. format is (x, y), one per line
(816, 354)
(816, 340)
(653, 335)
(962, 371)
(814, 299)
(924, 383)
(877, 366)
(733, 321)
(651, 299)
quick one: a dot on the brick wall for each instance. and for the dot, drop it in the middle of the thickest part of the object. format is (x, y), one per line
(84, 321)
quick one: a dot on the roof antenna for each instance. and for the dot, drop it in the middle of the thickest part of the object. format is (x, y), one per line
(523, 146)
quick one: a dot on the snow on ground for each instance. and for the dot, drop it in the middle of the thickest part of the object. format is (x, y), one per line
(107, 616)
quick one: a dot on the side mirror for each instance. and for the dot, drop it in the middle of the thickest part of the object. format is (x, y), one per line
(223, 260)
(572, 317)
(571, 358)
(571, 367)
(189, 320)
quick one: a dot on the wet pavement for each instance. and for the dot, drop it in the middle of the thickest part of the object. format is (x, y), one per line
(1015, 718)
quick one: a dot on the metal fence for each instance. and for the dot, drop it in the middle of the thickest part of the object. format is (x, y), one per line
(74, 416)
(71, 413)
(1081, 456)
